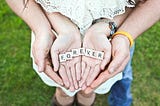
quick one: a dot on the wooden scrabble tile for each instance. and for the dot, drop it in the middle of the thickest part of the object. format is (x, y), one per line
(82, 51)
(75, 52)
(68, 55)
(62, 57)
(100, 55)
(94, 54)
(88, 52)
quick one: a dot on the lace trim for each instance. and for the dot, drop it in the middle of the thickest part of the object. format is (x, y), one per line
(83, 12)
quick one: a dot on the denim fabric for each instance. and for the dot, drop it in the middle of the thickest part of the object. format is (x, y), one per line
(120, 94)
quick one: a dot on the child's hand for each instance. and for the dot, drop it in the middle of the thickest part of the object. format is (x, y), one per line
(120, 57)
(68, 70)
(68, 39)
(96, 39)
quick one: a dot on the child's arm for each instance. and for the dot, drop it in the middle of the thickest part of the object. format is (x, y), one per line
(36, 19)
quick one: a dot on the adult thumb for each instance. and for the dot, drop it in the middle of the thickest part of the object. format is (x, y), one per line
(41, 64)
(39, 56)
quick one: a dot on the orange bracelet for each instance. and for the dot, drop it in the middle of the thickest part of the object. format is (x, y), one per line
(130, 38)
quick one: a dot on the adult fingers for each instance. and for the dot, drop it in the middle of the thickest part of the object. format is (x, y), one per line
(39, 57)
(104, 76)
(113, 66)
(122, 67)
(117, 61)
(88, 90)
(50, 73)
(101, 78)
(107, 57)
(63, 74)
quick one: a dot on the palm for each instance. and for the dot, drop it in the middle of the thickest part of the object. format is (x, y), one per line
(91, 66)
(67, 69)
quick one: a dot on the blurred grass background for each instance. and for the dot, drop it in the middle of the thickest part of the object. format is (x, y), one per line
(21, 86)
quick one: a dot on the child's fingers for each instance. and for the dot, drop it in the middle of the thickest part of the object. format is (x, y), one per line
(83, 68)
(93, 74)
(68, 71)
(85, 75)
(63, 74)
(73, 74)
(78, 71)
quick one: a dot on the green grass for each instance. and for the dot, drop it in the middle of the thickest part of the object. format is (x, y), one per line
(21, 86)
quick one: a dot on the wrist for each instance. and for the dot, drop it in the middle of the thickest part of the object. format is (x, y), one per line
(108, 26)
(45, 32)
(72, 33)
(123, 39)
(101, 27)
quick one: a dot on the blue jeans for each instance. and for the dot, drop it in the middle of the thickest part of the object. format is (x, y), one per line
(120, 94)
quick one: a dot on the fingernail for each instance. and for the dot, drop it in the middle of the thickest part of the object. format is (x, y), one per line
(111, 70)
(72, 89)
(55, 69)
(84, 87)
(61, 83)
(76, 86)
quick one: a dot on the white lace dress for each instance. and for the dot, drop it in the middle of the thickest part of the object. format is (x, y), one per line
(83, 13)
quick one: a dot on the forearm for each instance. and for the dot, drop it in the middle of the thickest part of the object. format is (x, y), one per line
(31, 14)
(121, 18)
(102, 25)
(62, 24)
(142, 17)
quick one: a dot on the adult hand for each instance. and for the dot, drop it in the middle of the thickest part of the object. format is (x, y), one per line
(68, 70)
(40, 50)
(95, 39)
(120, 58)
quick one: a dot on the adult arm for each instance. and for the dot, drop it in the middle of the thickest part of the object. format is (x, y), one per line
(142, 17)
(33, 15)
